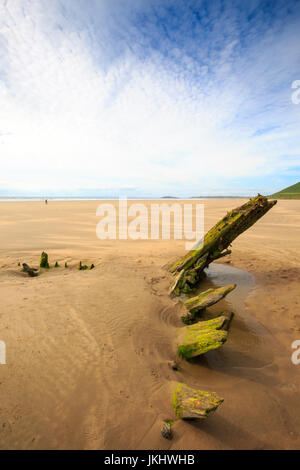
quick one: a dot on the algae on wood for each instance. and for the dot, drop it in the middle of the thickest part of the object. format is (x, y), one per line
(195, 306)
(189, 403)
(207, 298)
(82, 267)
(44, 260)
(188, 270)
(201, 337)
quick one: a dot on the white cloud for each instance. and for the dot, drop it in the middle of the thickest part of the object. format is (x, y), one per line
(69, 120)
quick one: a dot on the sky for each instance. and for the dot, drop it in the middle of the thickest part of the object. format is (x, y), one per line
(149, 98)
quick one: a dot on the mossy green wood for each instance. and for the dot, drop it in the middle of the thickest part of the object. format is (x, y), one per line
(188, 269)
(196, 304)
(44, 260)
(82, 267)
(189, 403)
(201, 337)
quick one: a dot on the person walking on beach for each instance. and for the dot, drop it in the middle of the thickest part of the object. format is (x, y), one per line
(46, 201)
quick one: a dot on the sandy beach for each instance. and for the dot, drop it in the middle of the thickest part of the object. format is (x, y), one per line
(88, 351)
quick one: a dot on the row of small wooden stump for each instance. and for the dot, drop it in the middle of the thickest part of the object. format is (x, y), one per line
(44, 263)
(199, 337)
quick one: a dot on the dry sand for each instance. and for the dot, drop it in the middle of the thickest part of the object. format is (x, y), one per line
(88, 351)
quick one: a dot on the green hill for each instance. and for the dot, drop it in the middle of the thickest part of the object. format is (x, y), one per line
(292, 192)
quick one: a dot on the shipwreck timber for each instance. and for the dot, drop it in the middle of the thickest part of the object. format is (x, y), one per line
(188, 270)
(201, 337)
(194, 306)
(189, 403)
(204, 336)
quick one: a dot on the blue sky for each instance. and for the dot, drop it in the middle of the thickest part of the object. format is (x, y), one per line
(152, 97)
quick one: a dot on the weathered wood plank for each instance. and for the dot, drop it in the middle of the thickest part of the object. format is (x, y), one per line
(216, 242)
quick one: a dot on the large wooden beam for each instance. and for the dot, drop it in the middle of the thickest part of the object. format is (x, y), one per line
(188, 269)
(201, 337)
(207, 298)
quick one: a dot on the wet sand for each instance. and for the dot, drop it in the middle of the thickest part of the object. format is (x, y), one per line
(88, 351)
